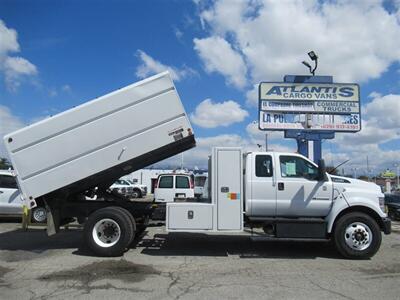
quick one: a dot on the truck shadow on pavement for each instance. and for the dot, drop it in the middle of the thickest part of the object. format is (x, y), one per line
(27, 245)
(198, 244)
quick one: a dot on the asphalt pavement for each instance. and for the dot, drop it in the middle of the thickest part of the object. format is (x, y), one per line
(190, 266)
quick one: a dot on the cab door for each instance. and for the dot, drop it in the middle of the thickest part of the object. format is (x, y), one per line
(262, 200)
(299, 192)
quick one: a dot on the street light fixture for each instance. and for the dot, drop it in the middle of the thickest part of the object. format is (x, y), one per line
(313, 57)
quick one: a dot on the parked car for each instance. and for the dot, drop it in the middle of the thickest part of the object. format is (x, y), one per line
(129, 189)
(392, 202)
(11, 202)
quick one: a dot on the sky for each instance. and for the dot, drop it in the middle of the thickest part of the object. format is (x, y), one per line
(55, 55)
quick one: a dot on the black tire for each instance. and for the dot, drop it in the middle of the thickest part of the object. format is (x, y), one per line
(124, 236)
(137, 193)
(340, 236)
(131, 218)
(392, 215)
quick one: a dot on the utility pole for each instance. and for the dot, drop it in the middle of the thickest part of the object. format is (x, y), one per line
(354, 172)
(182, 161)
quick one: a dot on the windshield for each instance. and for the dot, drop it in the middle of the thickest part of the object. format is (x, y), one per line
(200, 180)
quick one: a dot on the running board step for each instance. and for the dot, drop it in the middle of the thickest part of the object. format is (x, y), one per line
(269, 238)
(288, 220)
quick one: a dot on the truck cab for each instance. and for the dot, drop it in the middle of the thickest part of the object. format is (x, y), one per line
(288, 197)
(285, 184)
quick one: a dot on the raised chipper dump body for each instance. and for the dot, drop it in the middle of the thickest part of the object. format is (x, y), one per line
(59, 159)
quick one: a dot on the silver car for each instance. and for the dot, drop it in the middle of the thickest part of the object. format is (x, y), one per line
(11, 202)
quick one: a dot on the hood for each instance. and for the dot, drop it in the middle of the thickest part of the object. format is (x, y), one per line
(345, 182)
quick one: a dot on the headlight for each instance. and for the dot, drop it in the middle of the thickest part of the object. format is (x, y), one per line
(382, 203)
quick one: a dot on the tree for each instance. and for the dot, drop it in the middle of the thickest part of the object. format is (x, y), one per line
(4, 163)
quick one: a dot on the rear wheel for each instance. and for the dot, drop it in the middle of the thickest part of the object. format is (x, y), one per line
(109, 231)
(357, 236)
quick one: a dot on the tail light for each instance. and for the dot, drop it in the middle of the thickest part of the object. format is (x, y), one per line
(191, 183)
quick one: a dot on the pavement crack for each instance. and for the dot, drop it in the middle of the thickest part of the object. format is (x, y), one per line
(331, 291)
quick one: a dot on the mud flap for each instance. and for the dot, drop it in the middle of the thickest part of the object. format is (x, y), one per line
(53, 220)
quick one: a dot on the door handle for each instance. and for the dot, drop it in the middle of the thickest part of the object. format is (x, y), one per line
(1, 192)
(281, 186)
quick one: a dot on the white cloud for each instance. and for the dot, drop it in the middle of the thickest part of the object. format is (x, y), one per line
(274, 36)
(256, 134)
(15, 68)
(374, 95)
(219, 56)
(252, 96)
(178, 33)
(66, 88)
(380, 124)
(210, 115)
(384, 111)
(8, 123)
(198, 156)
(150, 66)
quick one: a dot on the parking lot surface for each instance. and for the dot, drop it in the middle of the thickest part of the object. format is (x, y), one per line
(190, 266)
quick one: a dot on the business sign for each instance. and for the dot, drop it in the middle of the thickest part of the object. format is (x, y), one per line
(323, 107)
(323, 98)
(283, 121)
(388, 174)
(309, 91)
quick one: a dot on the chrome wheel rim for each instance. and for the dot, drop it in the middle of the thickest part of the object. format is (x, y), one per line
(358, 236)
(106, 233)
(39, 214)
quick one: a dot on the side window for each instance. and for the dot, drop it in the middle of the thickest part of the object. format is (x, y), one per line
(264, 166)
(8, 182)
(166, 182)
(182, 182)
(294, 166)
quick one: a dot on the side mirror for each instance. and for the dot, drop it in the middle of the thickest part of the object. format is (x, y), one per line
(321, 170)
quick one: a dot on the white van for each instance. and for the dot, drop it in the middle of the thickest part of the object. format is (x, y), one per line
(199, 181)
(174, 185)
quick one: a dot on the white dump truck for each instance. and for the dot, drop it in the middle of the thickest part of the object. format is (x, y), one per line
(62, 161)
(289, 197)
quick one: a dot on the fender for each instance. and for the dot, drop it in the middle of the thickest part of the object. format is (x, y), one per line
(352, 198)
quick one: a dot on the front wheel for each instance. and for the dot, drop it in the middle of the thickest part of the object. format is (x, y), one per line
(357, 236)
(136, 194)
(39, 214)
(108, 231)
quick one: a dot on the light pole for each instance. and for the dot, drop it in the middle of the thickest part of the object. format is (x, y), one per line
(397, 174)
(354, 172)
